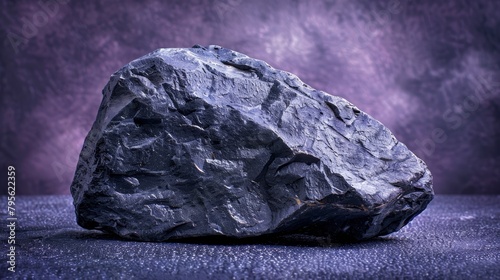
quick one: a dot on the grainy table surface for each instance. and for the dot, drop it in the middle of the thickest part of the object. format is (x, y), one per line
(457, 237)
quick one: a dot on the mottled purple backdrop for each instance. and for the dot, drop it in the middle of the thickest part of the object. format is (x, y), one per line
(429, 70)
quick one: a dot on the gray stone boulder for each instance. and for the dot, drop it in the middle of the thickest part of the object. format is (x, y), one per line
(207, 141)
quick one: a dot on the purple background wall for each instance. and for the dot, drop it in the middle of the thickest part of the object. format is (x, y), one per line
(429, 70)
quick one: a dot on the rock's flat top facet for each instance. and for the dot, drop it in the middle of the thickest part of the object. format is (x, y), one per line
(208, 141)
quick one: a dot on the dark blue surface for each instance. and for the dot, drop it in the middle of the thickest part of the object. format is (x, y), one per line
(457, 237)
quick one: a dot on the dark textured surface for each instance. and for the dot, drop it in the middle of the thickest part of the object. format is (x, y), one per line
(456, 238)
(414, 65)
(207, 141)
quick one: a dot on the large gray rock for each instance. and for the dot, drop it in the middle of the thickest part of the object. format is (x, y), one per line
(209, 142)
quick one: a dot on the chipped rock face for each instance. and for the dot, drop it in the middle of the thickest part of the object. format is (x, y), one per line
(210, 142)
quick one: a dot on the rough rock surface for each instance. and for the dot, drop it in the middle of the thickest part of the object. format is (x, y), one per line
(209, 142)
